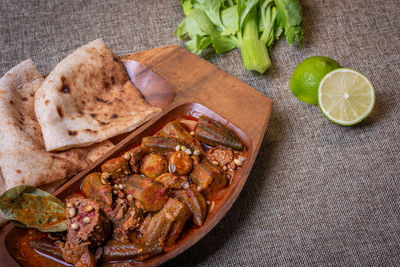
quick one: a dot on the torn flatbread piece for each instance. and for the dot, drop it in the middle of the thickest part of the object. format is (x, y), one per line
(87, 98)
(23, 157)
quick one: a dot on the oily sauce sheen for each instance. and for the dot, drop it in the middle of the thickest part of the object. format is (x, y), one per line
(128, 212)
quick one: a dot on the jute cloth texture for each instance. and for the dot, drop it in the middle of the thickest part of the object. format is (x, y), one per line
(319, 194)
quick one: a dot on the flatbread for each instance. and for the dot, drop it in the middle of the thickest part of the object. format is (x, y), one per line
(23, 157)
(88, 98)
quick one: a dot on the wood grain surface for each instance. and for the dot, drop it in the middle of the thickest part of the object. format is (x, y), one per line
(197, 87)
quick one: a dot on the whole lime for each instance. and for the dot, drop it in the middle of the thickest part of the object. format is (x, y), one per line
(308, 75)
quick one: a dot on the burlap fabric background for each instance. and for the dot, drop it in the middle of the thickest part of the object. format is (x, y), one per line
(319, 193)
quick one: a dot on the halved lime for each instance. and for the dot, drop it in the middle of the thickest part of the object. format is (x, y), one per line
(346, 96)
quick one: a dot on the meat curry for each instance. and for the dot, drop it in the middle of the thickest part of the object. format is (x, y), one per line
(139, 204)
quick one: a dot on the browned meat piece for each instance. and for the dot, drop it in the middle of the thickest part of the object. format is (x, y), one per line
(119, 211)
(131, 220)
(151, 194)
(160, 145)
(117, 167)
(94, 188)
(195, 202)
(87, 229)
(172, 217)
(180, 163)
(221, 155)
(208, 177)
(135, 157)
(153, 165)
(176, 130)
(172, 181)
(79, 255)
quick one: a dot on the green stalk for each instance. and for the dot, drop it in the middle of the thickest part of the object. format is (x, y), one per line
(254, 52)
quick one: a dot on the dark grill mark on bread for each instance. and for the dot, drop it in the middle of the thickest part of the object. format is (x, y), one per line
(60, 112)
(91, 131)
(93, 115)
(100, 100)
(24, 99)
(64, 88)
(112, 80)
(114, 116)
(107, 85)
(72, 133)
(11, 102)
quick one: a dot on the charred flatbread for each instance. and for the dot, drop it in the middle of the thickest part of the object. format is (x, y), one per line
(88, 98)
(23, 157)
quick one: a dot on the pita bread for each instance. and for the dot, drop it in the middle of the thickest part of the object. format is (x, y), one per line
(88, 98)
(23, 158)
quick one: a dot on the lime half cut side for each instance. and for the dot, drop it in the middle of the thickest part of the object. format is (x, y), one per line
(346, 96)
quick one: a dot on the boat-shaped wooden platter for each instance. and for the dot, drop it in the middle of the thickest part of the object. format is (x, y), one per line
(195, 87)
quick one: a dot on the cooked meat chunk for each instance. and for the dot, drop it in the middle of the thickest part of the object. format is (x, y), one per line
(208, 177)
(172, 181)
(153, 165)
(180, 163)
(135, 157)
(151, 194)
(87, 229)
(131, 220)
(221, 155)
(94, 188)
(117, 167)
(79, 254)
(166, 225)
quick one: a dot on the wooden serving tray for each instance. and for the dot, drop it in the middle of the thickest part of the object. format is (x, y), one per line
(196, 87)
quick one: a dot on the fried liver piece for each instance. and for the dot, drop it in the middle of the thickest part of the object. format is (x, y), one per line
(93, 188)
(195, 201)
(166, 225)
(87, 229)
(151, 194)
(153, 165)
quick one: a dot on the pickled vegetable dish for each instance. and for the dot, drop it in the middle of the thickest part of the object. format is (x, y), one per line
(139, 204)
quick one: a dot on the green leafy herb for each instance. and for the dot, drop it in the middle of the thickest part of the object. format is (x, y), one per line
(289, 18)
(30, 207)
(252, 25)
